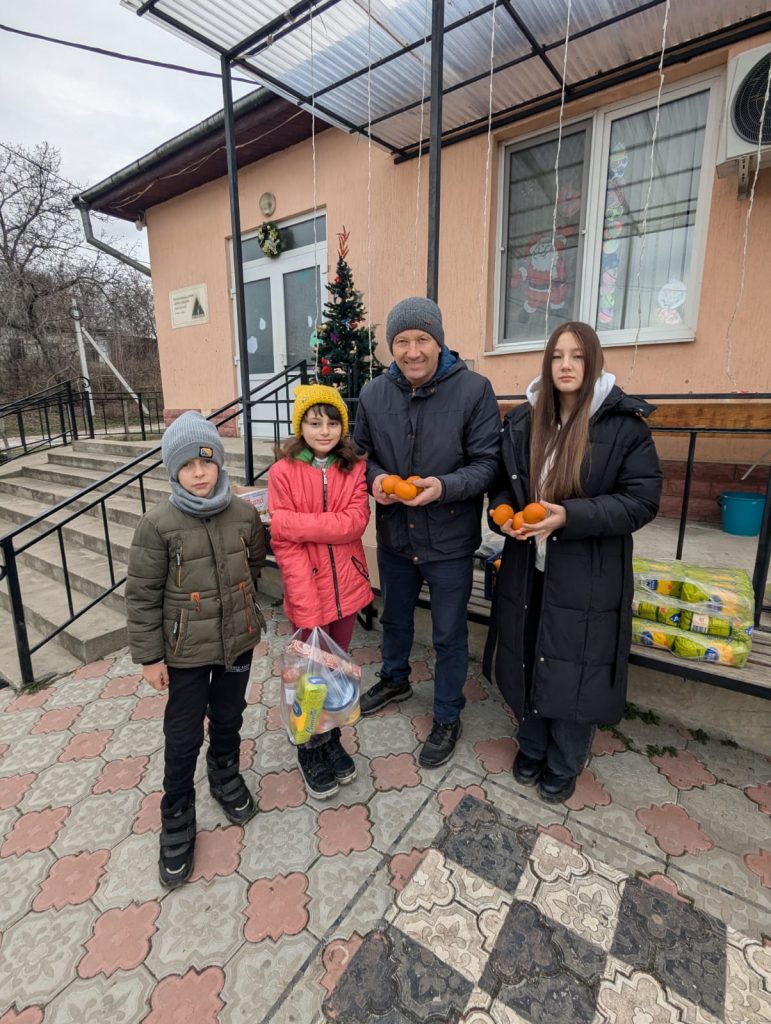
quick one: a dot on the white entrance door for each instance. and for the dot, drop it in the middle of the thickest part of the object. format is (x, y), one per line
(284, 298)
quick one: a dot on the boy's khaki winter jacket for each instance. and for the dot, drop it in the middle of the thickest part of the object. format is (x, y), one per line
(191, 594)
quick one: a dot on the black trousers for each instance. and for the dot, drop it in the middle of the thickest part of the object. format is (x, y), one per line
(195, 693)
(564, 745)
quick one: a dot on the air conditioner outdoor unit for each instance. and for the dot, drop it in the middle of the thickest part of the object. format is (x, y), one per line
(747, 79)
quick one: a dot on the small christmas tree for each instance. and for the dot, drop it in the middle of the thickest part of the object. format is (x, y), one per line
(345, 354)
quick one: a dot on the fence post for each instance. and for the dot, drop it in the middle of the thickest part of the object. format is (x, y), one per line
(62, 421)
(22, 435)
(141, 416)
(71, 412)
(88, 410)
(17, 610)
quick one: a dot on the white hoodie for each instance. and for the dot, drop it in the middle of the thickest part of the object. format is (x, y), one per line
(602, 388)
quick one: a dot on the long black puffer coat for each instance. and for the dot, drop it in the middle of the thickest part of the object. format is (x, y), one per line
(582, 648)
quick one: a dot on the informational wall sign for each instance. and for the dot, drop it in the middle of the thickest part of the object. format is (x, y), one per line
(189, 306)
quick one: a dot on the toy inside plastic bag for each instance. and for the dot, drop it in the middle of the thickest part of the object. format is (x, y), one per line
(319, 686)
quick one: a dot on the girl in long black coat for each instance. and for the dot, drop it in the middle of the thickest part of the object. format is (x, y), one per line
(561, 620)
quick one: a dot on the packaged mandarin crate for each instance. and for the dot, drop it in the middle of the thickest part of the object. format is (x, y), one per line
(710, 602)
(691, 646)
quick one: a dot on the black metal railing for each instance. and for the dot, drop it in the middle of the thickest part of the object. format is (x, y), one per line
(274, 395)
(65, 412)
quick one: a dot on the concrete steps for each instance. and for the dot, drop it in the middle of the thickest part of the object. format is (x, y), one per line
(30, 488)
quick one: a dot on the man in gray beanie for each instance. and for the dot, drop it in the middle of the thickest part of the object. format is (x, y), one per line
(193, 622)
(430, 418)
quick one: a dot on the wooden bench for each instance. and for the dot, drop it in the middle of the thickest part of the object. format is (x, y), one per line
(753, 679)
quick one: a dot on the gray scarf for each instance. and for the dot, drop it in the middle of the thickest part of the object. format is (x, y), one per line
(218, 500)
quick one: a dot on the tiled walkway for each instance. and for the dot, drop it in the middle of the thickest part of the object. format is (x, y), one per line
(276, 912)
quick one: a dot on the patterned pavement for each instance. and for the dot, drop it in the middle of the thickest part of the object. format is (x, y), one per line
(645, 900)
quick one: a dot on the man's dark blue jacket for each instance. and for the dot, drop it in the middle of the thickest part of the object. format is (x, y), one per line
(448, 428)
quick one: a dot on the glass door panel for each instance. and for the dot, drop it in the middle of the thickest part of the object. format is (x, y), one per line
(302, 302)
(259, 328)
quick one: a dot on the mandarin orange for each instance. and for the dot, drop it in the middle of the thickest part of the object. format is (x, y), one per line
(501, 514)
(534, 513)
(388, 483)
(518, 521)
(405, 490)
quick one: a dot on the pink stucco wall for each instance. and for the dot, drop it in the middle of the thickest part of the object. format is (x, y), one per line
(189, 244)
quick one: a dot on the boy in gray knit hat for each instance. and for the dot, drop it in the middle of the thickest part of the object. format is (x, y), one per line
(430, 418)
(193, 621)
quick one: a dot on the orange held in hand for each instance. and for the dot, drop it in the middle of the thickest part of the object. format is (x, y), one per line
(534, 513)
(501, 514)
(406, 490)
(518, 521)
(388, 483)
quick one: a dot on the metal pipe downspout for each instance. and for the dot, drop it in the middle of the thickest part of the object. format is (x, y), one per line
(435, 147)
(88, 231)
(238, 267)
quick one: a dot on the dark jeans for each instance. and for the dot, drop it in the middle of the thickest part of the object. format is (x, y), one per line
(449, 586)
(195, 693)
(564, 745)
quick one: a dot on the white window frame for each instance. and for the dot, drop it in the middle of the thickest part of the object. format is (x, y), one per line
(598, 126)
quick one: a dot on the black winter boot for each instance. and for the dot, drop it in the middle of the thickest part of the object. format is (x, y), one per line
(317, 771)
(177, 840)
(229, 789)
(339, 759)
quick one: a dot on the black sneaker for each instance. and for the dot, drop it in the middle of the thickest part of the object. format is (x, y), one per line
(527, 770)
(440, 744)
(340, 760)
(317, 771)
(555, 789)
(177, 840)
(229, 789)
(383, 693)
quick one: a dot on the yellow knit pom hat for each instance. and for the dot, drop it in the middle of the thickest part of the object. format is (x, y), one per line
(308, 395)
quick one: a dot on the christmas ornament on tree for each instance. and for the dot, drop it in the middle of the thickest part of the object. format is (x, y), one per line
(345, 344)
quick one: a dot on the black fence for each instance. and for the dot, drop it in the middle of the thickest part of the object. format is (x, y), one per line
(271, 398)
(64, 412)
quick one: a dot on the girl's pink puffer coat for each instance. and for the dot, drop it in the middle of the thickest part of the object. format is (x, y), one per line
(319, 549)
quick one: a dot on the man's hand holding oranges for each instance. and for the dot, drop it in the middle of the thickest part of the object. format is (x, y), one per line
(387, 488)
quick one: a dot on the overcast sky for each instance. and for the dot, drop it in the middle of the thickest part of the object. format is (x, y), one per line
(101, 113)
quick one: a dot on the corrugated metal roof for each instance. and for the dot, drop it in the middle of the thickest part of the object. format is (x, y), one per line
(365, 64)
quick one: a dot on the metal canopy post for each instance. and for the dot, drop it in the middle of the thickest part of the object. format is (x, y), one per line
(435, 147)
(238, 267)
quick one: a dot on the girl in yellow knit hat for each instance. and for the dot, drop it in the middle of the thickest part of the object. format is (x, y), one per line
(319, 509)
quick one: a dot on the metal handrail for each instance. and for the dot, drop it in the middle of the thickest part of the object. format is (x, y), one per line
(266, 391)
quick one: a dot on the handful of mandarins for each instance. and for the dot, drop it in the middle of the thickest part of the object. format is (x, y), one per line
(400, 488)
(529, 516)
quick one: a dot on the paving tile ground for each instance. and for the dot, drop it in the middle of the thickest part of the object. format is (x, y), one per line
(278, 912)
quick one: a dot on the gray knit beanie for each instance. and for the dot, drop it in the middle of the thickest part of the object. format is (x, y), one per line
(417, 314)
(190, 436)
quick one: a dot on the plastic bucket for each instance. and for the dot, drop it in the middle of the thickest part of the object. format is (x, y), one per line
(742, 512)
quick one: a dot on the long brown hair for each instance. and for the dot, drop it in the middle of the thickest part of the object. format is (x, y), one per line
(558, 450)
(344, 451)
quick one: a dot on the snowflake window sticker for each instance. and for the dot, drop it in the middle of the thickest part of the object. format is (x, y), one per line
(269, 239)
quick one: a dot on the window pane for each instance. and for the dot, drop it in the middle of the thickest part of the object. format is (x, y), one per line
(530, 259)
(294, 237)
(644, 278)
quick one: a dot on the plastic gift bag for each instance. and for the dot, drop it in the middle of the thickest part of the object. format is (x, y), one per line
(319, 686)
